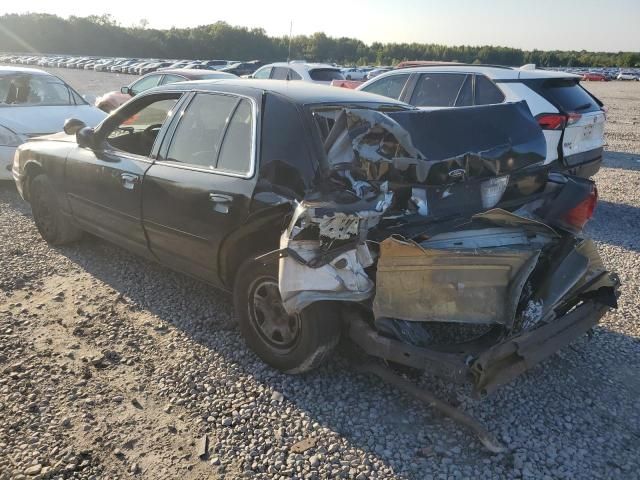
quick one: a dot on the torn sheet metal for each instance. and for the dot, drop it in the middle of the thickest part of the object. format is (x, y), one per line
(451, 285)
(342, 279)
(437, 147)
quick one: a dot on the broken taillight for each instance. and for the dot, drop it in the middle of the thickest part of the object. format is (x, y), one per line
(579, 215)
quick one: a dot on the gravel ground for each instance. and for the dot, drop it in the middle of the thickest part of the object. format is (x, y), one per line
(114, 367)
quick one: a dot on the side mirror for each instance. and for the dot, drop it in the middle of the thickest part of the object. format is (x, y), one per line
(73, 125)
(126, 91)
(84, 137)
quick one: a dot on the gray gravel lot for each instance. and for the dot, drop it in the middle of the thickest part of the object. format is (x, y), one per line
(113, 367)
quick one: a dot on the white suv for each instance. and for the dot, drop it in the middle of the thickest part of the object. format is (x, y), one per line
(307, 72)
(572, 118)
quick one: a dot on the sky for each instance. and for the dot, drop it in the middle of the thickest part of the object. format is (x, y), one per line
(594, 25)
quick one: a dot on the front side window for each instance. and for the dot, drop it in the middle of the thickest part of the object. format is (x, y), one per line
(137, 132)
(437, 90)
(263, 73)
(168, 78)
(145, 84)
(208, 121)
(390, 86)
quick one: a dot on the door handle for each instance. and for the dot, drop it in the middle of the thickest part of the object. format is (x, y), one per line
(129, 180)
(220, 202)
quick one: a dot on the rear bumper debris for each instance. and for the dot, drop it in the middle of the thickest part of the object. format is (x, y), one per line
(509, 359)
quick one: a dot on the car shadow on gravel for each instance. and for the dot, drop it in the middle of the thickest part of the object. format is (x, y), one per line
(612, 224)
(621, 160)
(380, 420)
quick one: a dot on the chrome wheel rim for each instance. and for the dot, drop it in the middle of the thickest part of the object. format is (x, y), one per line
(274, 325)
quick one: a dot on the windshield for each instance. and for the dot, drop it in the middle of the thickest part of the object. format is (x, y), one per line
(21, 89)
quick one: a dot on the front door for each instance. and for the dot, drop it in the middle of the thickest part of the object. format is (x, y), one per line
(104, 183)
(199, 190)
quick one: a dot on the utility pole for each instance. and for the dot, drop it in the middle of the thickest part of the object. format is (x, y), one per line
(290, 31)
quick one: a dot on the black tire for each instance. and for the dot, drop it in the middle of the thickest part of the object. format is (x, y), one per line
(55, 227)
(314, 333)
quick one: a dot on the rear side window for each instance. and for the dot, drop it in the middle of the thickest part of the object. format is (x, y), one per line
(293, 75)
(437, 90)
(325, 74)
(465, 96)
(486, 92)
(390, 86)
(568, 95)
(235, 155)
(280, 73)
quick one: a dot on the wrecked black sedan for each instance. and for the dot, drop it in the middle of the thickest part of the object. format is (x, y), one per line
(433, 239)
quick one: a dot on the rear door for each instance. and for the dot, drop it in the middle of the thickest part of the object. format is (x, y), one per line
(199, 189)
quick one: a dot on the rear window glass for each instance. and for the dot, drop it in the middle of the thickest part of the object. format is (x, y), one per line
(568, 95)
(325, 74)
(486, 92)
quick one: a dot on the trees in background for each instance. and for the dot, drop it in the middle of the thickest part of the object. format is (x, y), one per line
(103, 36)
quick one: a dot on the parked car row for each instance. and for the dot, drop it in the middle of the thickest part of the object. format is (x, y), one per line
(134, 66)
(603, 74)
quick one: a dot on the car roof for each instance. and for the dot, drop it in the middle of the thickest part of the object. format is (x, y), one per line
(492, 72)
(193, 74)
(301, 65)
(297, 91)
(33, 71)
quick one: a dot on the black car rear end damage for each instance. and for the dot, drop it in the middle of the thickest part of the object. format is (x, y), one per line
(449, 244)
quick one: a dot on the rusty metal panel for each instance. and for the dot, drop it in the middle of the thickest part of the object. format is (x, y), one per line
(447, 285)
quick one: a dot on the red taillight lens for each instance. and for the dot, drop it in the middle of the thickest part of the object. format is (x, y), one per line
(579, 215)
(551, 121)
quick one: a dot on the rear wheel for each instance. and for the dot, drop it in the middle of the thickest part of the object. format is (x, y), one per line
(291, 343)
(55, 227)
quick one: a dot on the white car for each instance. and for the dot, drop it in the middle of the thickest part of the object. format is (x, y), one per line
(306, 72)
(626, 76)
(354, 74)
(33, 103)
(571, 118)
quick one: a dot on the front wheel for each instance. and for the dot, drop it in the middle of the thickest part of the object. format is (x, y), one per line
(291, 343)
(55, 227)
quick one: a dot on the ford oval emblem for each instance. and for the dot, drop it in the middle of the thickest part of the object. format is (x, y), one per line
(457, 174)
